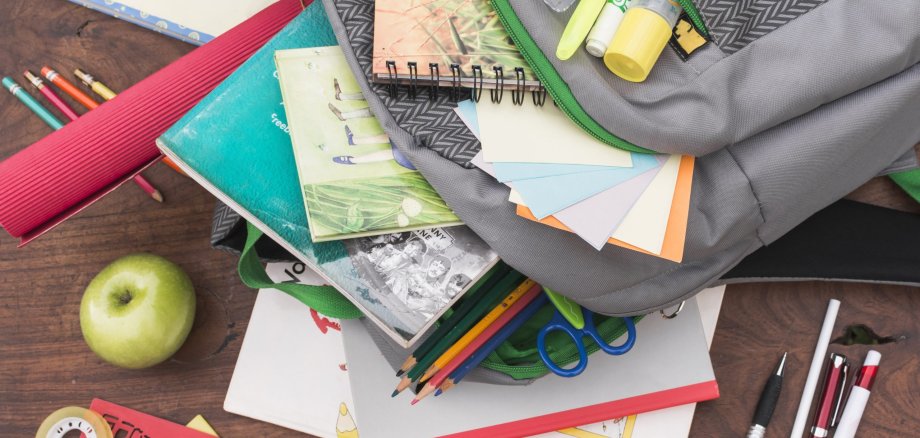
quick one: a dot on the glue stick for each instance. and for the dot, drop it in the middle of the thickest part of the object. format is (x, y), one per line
(641, 37)
(605, 26)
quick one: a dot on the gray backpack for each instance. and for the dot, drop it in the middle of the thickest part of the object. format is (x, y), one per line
(789, 106)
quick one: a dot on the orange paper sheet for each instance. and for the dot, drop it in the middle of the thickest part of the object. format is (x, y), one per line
(676, 233)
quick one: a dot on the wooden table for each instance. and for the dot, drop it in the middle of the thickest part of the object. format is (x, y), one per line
(45, 364)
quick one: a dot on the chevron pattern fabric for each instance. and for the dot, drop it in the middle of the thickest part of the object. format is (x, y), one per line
(736, 23)
(222, 223)
(433, 123)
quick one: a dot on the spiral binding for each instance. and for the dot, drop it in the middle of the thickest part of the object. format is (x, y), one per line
(412, 82)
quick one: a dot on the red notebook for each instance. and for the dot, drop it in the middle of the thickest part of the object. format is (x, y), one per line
(70, 169)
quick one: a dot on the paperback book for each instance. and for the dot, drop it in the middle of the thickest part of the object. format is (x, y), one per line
(355, 182)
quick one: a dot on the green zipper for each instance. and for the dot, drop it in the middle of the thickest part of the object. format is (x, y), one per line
(694, 14)
(556, 86)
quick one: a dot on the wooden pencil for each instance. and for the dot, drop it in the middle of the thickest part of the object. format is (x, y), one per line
(479, 309)
(506, 317)
(484, 287)
(480, 327)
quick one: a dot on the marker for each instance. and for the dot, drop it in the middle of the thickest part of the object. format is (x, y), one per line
(859, 396)
(605, 27)
(32, 104)
(578, 27)
(767, 402)
(641, 37)
(50, 95)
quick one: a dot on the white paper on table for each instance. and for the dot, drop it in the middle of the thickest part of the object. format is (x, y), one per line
(212, 17)
(531, 134)
(646, 223)
(291, 368)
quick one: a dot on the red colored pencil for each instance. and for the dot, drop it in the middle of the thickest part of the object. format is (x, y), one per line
(50, 95)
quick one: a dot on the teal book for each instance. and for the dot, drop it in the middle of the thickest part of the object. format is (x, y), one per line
(236, 144)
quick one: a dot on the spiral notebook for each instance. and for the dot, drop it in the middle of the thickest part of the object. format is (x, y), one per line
(453, 43)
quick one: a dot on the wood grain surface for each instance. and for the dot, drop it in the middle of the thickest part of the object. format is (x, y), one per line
(45, 364)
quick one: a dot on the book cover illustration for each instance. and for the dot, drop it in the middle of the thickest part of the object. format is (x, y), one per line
(355, 182)
(446, 32)
(419, 274)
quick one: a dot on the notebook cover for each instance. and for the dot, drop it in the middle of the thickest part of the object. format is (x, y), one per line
(354, 182)
(446, 32)
(90, 154)
(668, 366)
(236, 145)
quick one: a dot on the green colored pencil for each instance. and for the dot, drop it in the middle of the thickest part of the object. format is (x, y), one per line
(33, 104)
(505, 286)
(483, 286)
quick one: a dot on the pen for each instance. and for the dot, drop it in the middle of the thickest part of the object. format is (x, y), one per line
(828, 410)
(767, 402)
(859, 396)
(808, 392)
(50, 95)
(69, 88)
(32, 104)
(98, 87)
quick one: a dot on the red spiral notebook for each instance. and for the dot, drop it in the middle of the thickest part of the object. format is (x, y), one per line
(67, 171)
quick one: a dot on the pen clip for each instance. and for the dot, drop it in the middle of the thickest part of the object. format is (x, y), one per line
(840, 393)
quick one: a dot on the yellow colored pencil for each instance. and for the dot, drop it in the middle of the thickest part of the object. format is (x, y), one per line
(477, 329)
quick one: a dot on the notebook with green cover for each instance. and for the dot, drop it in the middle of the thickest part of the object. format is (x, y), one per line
(235, 144)
(355, 183)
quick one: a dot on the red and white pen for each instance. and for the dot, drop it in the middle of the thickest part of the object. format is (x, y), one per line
(859, 396)
(828, 411)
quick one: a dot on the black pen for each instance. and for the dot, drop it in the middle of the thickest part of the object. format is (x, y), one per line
(767, 401)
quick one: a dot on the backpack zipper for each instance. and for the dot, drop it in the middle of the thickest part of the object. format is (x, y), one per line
(556, 86)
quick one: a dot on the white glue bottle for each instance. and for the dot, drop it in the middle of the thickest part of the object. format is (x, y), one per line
(605, 27)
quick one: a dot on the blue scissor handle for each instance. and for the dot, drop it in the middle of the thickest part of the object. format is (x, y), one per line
(627, 345)
(560, 323)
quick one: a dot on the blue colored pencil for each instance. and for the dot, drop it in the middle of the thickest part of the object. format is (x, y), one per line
(473, 361)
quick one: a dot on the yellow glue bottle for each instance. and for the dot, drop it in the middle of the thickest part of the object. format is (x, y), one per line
(641, 37)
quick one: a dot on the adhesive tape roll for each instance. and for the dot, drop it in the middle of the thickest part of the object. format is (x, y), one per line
(71, 418)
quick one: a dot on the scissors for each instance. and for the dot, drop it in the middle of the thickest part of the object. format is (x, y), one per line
(576, 322)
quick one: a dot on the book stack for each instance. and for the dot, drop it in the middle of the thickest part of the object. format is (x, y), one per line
(291, 143)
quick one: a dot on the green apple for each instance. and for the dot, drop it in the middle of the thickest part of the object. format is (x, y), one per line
(137, 311)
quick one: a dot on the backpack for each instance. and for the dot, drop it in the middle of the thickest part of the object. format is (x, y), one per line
(787, 109)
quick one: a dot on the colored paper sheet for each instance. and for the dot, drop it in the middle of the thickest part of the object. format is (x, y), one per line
(647, 221)
(595, 218)
(675, 235)
(505, 172)
(546, 196)
(531, 134)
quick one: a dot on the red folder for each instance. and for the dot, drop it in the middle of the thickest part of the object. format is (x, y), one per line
(65, 172)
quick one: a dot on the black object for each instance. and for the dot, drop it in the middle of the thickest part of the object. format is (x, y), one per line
(767, 402)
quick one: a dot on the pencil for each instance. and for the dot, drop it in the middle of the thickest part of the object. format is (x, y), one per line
(50, 95)
(32, 104)
(510, 281)
(501, 336)
(97, 87)
(69, 88)
(478, 329)
(91, 104)
(503, 320)
(485, 285)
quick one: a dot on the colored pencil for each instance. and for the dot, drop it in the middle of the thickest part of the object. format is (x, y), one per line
(91, 104)
(50, 95)
(478, 329)
(69, 88)
(501, 290)
(458, 360)
(476, 358)
(473, 296)
(32, 104)
(97, 87)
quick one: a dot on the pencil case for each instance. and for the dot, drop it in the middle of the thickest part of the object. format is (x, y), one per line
(783, 121)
